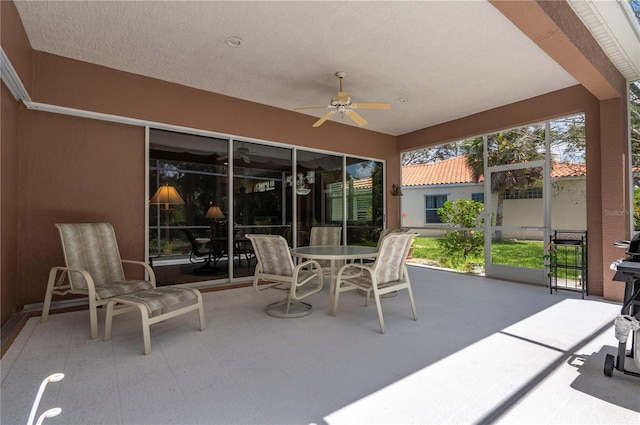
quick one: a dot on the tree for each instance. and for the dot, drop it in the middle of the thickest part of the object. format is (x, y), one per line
(432, 153)
(511, 147)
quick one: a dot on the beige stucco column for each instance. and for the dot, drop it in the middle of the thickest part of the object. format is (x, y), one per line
(614, 207)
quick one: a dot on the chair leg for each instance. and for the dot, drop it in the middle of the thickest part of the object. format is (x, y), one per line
(48, 295)
(367, 295)
(93, 317)
(144, 315)
(108, 321)
(203, 324)
(146, 332)
(334, 308)
(379, 308)
(413, 304)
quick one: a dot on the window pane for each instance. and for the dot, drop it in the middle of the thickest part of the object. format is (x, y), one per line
(261, 197)
(318, 192)
(364, 201)
(432, 203)
(192, 165)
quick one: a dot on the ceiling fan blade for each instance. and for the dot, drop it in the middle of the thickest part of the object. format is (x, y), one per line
(375, 105)
(356, 117)
(313, 107)
(324, 118)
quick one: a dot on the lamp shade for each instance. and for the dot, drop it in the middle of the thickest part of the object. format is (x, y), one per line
(167, 195)
(214, 213)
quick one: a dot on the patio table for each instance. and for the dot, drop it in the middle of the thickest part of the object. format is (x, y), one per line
(334, 253)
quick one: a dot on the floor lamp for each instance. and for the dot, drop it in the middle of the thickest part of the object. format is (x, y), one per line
(166, 195)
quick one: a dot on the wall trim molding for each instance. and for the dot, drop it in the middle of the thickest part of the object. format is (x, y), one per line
(10, 78)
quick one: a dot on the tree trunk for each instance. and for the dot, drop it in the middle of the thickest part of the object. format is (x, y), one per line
(499, 208)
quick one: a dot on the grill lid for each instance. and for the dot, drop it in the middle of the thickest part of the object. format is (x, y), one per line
(634, 247)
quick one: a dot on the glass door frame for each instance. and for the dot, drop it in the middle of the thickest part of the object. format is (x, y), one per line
(500, 271)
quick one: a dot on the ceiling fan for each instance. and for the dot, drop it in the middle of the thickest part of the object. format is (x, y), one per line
(342, 104)
(239, 153)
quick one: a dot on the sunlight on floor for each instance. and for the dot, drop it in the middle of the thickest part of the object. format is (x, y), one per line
(537, 346)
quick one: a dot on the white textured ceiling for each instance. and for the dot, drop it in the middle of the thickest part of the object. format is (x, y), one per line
(449, 59)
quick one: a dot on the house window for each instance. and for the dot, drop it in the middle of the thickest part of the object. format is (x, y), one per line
(432, 203)
(529, 193)
(478, 197)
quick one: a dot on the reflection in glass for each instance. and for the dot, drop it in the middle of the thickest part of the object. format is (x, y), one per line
(319, 196)
(231, 188)
(191, 165)
(261, 199)
(365, 210)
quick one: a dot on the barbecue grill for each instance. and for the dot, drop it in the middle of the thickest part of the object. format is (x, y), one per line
(628, 271)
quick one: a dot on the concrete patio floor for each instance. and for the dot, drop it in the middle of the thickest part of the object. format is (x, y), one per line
(482, 351)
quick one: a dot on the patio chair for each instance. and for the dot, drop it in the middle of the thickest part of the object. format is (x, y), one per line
(325, 235)
(275, 270)
(94, 269)
(383, 233)
(387, 274)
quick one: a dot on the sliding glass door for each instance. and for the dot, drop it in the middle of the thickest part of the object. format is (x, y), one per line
(319, 195)
(206, 193)
(261, 200)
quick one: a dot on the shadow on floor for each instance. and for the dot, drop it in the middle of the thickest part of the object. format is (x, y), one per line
(619, 389)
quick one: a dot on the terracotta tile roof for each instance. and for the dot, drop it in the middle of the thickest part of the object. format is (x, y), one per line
(449, 171)
(365, 183)
(568, 169)
(455, 171)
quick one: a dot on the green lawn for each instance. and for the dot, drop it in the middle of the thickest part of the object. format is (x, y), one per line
(513, 253)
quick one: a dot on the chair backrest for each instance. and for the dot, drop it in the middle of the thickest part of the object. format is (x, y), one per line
(392, 256)
(386, 232)
(272, 254)
(325, 235)
(91, 247)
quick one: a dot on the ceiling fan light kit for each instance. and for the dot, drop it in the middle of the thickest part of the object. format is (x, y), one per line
(342, 104)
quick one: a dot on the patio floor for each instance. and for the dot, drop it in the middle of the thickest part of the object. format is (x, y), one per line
(482, 351)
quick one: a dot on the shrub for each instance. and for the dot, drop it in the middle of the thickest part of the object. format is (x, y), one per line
(463, 240)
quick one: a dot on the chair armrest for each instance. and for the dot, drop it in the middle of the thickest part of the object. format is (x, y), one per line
(308, 263)
(297, 284)
(359, 269)
(91, 286)
(147, 267)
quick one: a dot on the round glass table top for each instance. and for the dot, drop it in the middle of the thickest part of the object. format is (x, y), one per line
(335, 252)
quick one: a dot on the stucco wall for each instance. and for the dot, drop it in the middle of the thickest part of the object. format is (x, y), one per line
(9, 157)
(78, 169)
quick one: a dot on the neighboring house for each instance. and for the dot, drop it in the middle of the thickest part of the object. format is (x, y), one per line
(359, 198)
(426, 187)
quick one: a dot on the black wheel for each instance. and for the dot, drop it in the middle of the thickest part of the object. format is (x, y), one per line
(608, 364)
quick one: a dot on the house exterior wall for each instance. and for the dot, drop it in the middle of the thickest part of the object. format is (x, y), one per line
(413, 204)
(568, 207)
